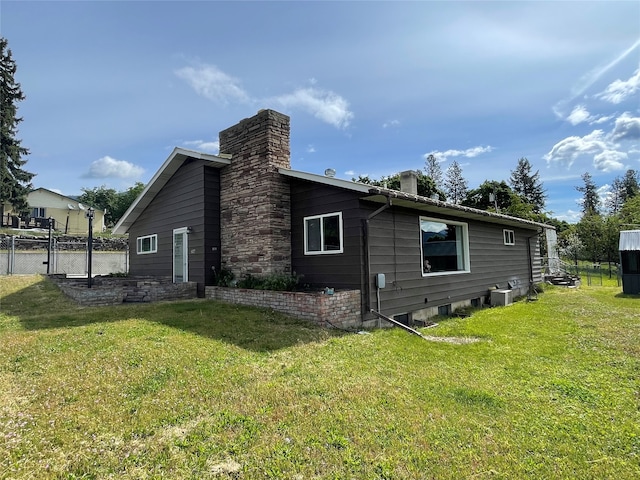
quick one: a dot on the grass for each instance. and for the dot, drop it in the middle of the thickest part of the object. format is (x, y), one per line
(199, 389)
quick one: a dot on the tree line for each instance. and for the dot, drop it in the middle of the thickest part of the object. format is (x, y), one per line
(522, 197)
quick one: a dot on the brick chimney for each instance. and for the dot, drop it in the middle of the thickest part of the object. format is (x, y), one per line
(255, 203)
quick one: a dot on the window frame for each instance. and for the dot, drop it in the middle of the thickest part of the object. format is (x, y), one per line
(323, 250)
(39, 212)
(509, 235)
(464, 243)
(153, 244)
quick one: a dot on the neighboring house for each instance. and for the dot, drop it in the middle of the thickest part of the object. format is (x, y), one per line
(630, 260)
(68, 215)
(245, 210)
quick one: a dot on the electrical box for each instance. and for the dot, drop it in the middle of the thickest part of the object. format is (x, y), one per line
(501, 297)
(380, 280)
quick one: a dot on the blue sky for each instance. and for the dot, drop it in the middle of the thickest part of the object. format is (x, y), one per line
(372, 88)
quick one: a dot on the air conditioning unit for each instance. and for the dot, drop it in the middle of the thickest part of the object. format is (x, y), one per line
(501, 297)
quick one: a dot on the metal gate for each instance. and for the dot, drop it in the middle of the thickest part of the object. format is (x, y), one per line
(32, 256)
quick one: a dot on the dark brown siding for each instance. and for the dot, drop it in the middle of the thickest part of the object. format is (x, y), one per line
(395, 251)
(189, 199)
(344, 270)
(394, 246)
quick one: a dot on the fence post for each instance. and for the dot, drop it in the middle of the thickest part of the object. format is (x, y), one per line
(12, 255)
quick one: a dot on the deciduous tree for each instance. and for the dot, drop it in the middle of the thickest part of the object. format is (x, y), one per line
(433, 170)
(426, 185)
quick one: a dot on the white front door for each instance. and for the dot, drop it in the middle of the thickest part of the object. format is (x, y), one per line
(180, 255)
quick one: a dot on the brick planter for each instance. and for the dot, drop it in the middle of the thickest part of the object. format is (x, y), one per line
(342, 309)
(117, 290)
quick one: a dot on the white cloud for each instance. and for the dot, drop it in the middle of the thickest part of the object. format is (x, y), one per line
(311, 149)
(214, 84)
(604, 153)
(598, 120)
(619, 90)
(350, 173)
(391, 123)
(213, 147)
(108, 167)
(590, 78)
(609, 160)
(626, 128)
(324, 105)
(468, 153)
(578, 115)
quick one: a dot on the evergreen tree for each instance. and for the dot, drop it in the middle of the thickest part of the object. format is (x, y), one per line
(432, 167)
(455, 185)
(528, 185)
(15, 182)
(590, 199)
(630, 185)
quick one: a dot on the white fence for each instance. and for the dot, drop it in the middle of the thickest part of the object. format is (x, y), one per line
(30, 256)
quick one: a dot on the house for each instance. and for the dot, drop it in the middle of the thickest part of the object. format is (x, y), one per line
(247, 211)
(630, 260)
(68, 215)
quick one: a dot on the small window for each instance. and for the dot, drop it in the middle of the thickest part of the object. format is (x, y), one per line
(38, 212)
(323, 234)
(509, 237)
(147, 244)
(445, 247)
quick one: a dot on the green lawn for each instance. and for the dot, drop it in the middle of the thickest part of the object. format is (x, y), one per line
(199, 389)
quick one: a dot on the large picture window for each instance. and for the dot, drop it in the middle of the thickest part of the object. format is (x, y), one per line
(147, 244)
(444, 246)
(323, 234)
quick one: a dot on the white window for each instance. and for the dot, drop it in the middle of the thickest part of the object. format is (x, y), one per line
(38, 212)
(509, 237)
(147, 244)
(323, 234)
(444, 246)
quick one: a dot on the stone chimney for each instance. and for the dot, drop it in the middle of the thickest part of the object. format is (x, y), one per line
(409, 182)
(255, 202)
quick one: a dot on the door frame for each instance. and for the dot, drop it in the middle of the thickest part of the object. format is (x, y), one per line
(185, 252)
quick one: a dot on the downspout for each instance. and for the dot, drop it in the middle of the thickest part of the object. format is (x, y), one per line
(367, 249)
(530, 261)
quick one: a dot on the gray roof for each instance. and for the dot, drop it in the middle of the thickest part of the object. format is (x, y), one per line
(417, 202)
(629, 240)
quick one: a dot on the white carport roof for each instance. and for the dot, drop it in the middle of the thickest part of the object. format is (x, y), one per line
(629, 240)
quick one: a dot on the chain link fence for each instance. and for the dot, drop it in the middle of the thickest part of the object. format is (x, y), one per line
(31, 256)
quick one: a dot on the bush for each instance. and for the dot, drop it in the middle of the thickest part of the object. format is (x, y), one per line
(224, 278)
(281, 282)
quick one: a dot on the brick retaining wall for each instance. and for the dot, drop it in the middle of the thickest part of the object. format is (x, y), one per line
(342, 309)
